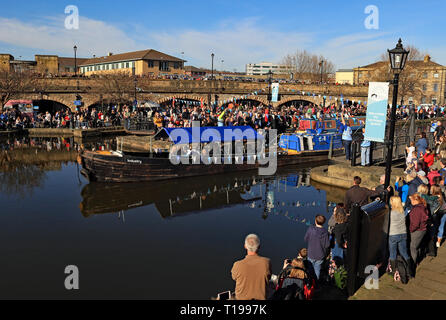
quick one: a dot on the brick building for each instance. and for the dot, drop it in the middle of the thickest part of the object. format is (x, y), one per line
(146, 62)
(421, 82)
(43, 64)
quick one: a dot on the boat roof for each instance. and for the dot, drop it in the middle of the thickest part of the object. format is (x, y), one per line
(209, 134)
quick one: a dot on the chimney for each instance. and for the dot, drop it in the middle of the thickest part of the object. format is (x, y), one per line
(110, 54)
(427, 58)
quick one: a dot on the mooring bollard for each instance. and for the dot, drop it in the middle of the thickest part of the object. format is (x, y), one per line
(353, 153)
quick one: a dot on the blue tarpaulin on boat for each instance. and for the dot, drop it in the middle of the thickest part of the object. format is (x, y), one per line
(209, 134)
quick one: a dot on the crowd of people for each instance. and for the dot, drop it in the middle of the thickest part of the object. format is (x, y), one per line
(80, 119)
(182, 114)
(417, 223)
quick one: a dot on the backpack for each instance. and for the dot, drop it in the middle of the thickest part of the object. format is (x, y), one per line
(402, 271)
(293, 291)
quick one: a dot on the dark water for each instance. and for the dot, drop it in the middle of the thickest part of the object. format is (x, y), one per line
(168, 240)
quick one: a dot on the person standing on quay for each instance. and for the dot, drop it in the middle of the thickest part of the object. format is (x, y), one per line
(397, 232)
(252, 274)
(359, 195)
(418, 217)
(422, 144)
(318, 244)
(346, 131)
(365, 151)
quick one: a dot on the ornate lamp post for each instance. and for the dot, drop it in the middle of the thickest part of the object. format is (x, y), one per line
(212, 56)
(398, 58)
(322, 69)
(75, 67)
(270, 81)
(135, 81)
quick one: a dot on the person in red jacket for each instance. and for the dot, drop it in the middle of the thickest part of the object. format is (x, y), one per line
(428, 158)
(418, 217)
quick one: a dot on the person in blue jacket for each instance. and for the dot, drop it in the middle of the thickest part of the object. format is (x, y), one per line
(403, 190)
(365, 151)
(347, 138)
(422, 144)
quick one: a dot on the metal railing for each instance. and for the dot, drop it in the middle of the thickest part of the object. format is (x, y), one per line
(378, 151)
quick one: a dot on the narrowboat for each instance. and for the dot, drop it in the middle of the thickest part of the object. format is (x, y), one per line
(316, 135)
(119, 166)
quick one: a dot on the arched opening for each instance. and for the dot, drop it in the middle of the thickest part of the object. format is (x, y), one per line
(297, 103)
(108, 106)
(50, 106)
(250, 103)
(180, 103)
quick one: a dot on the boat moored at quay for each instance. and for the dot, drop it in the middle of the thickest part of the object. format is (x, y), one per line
(164, 161)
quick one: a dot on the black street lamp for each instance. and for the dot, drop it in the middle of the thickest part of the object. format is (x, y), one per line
(270, 81)
(212, 56)
(75, 66)
(322, 68)
(135, 80)
(398, 58)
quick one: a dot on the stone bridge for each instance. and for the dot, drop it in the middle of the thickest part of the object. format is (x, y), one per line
(94, 91)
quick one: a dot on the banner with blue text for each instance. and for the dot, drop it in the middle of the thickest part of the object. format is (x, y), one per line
(274, 92)
(375, 126)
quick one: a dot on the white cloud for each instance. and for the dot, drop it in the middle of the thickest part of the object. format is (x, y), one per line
(237, 43)
(353, 50)
(50, 35)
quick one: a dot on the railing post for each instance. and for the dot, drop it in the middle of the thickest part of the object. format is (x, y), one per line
(330, 151)
(353, 153)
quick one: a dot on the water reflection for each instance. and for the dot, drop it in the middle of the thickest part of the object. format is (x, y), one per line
(200, 222)
(25, 161)
(274, 195)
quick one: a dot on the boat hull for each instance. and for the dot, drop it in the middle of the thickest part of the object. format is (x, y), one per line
(112, 168)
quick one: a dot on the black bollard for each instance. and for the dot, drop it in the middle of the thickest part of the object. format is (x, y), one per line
(353, 153)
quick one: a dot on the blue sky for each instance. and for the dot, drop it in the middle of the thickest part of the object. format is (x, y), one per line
(238, 32)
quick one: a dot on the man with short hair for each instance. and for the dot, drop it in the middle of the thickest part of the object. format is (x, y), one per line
(439, 131)
(357, 194)
(318, 244)
(389, 192)
(252, 274)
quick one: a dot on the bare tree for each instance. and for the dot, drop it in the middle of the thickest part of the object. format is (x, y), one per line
(307, 66)
(13, 84)
(117, 87)
(410, 83)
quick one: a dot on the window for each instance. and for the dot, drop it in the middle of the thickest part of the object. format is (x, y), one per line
(436, 75)
(425, 75)
(423, 100)
(150, 63)
(127, 65)
(164, 66)
(434, 100)
(435, 87)
(424, 87)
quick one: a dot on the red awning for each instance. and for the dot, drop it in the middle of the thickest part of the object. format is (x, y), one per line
(11, 103)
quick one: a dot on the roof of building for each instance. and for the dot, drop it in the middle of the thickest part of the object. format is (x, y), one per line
(69, 62)
(149, 54)
(194, 69)
(427, 62)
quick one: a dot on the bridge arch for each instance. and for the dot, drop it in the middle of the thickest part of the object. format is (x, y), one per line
(295, 101)
(52, 106)
(244, 102)
(190, 100)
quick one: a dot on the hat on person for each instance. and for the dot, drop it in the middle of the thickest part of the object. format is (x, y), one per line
(421, 173)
